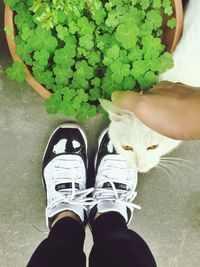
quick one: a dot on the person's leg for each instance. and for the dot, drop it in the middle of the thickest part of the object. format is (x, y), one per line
(64, 177)
(63, 247)
(114, 244)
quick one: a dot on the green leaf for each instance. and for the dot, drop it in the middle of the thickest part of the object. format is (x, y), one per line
(133, 16)
(42, 57)
(152, 47)
(43, 39)
(99, 15)
(108, 83)
(86, 41)
(96, 82)
(24, 18)
(93, 58)
(71, 40)
(26, 32)
(85, 27)
(119, 71)
(62, 32)
(82, 52)
(86, 111)
(78, 82)
(157, 4)
(22, 50)
(60, 79)
(61, 17)
(46, 78)
(166, 62)
(82, 95)
(168, 10)
(136, 53)
(64, 56)
(73, 28)
(16, 72)
(68, 108)
(154, 17)
(127, 34)
(37, 69)
(84, 70)
(48, 19)
(150, 78)
(92, 112)
(128, 83)
(171, 23)
(69, 93)
(113, 52)
(145, 4)
(112, 20)
(53, 104)
(94, 94)
(139, 68)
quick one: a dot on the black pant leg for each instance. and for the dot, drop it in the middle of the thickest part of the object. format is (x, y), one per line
(117, 246)
(62, 248)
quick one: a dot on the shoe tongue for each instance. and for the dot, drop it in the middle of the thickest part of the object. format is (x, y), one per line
(64, 186)
(117, 186)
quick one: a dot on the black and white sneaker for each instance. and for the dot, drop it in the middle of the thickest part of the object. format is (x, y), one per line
(115, 183)
(64, 172)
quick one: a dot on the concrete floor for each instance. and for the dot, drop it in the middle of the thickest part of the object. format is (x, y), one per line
(170, 217)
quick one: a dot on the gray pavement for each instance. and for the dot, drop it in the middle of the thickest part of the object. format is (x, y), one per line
(170, 217)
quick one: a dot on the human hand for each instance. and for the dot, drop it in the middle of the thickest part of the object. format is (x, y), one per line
(172, 109)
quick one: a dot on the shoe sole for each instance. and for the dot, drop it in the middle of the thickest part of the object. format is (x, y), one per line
(70, 125)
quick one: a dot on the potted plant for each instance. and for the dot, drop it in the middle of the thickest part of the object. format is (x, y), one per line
(75, 52)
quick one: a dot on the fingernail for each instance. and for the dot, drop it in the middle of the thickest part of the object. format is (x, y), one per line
(115, 95)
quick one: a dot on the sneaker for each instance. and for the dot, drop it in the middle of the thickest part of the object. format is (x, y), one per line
(64, 172)
(115, 183)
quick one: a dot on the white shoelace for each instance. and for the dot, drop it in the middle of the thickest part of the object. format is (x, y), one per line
(111, 175)
(115, 194)
(72, 196)
(62, 169)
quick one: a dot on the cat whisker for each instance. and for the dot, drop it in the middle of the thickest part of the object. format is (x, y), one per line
(174, 160)
(164, 170)
(176, 167)
(178, 164)
(178, 159)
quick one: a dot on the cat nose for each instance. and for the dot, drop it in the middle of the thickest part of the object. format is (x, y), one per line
(140, 165)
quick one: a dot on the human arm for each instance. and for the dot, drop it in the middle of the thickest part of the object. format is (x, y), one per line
(172, 109)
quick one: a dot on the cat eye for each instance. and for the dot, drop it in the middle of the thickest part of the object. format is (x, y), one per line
(152, 147)
(126, 147)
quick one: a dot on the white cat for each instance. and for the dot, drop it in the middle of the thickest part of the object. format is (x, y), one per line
(141, 146)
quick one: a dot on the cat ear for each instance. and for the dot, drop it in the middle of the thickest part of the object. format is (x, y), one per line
(115, 113)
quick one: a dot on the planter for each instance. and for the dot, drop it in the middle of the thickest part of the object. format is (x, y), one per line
(170, 39)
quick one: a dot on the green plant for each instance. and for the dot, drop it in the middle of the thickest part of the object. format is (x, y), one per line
(83, 50)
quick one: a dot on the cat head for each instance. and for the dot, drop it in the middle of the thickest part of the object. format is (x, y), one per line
(141, 146)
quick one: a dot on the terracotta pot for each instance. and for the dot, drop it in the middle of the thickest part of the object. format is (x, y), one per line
(170, 39)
